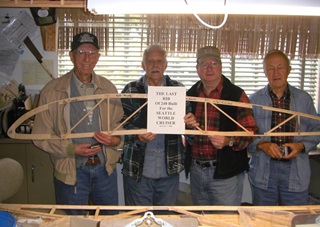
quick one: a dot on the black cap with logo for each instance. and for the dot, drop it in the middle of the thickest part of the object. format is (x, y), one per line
(82, 38)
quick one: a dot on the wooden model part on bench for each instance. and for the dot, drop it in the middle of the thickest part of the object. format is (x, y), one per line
(222, 216)
(12, 131)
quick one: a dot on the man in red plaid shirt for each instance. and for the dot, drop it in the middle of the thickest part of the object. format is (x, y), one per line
(217, 163)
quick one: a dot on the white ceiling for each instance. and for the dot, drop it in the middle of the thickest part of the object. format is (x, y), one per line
(270, 7)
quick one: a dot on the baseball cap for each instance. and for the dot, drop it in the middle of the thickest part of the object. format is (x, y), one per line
(208, 52)
(84, 37)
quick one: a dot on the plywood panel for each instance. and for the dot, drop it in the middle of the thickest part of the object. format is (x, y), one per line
(48, 34)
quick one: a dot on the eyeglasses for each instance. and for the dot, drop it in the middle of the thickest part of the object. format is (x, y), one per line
(205, 65)
(88, 52)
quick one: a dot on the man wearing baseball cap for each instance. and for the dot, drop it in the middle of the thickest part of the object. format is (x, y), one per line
(217, 163)
(84, 168)
(83, 38)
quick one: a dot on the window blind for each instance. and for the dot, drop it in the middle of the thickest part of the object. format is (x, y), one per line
(124, 37)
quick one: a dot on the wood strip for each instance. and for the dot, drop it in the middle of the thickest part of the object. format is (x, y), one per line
(245, 217)
(12, 130)
(143, 105)
(264, 213)
(45, 207)
(204, 219)
(234, 121)
(84, 117)
(282, 123)
(269, 216)
(121, 215)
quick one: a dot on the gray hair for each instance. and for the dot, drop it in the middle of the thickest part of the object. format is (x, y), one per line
(154, 47)
(273, 52)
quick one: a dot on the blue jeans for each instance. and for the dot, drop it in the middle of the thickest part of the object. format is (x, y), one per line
(205, 190)
(151, 192)
(277, 192)
(93, 184)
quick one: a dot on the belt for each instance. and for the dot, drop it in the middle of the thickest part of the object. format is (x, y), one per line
(281, 159)
(204, 164)
(93, 160)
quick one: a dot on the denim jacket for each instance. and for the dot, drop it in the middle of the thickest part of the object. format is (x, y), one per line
(134, 150)
(300, 173)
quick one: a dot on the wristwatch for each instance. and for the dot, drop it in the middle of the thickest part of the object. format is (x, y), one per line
(231, 142)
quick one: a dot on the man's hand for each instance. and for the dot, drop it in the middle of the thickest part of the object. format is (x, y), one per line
(190, 120)
(106, 139)
(146, 138)
(85, 150)
(295, 148)
(273, 150)
(219, 141)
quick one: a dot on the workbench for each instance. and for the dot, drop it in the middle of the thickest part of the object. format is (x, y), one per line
(230, 216)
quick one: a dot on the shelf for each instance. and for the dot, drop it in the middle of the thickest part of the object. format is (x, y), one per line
(43, 3)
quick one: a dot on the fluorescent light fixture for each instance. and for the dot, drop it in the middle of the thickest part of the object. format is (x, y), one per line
(254, 7)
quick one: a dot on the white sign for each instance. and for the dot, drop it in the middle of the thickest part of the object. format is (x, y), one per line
(166, 110)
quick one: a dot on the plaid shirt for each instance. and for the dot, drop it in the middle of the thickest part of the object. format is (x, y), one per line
(277, 118)
(202, 148)
(134, 150)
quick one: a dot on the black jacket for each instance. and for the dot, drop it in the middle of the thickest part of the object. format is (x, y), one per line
(229, 162)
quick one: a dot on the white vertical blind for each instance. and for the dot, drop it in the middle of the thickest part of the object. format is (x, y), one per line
(122, 63)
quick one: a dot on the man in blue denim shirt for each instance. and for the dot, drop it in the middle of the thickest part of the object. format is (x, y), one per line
(279, 178)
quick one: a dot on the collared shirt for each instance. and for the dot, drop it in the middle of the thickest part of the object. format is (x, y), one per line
(277, 117)
(154, 160)
(86, 89)
(202, 148)
(260, 171)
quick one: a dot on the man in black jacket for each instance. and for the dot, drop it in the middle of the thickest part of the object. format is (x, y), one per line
(217, 163)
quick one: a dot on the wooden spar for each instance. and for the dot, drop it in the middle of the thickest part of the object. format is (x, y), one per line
(117, 131)
(229, 216)
(277, 218)
(86, 115)
(202, 218)
(234, 121)
(119, 126)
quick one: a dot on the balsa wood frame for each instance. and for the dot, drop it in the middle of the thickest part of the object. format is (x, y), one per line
(118, 131)
(224, 216)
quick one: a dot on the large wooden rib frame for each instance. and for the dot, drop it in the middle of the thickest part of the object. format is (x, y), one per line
(118, 131)
(223, 216)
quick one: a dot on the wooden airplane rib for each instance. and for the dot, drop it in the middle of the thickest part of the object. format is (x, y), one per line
(210, 221)
(234, 121)
(282, 123)
(228, 216)
(86, 115)
(118, 131)
(119, 126)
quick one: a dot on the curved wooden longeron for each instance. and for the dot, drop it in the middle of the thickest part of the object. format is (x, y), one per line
(118, 131)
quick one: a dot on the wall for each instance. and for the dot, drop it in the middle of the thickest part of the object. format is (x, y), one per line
(18, 73)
